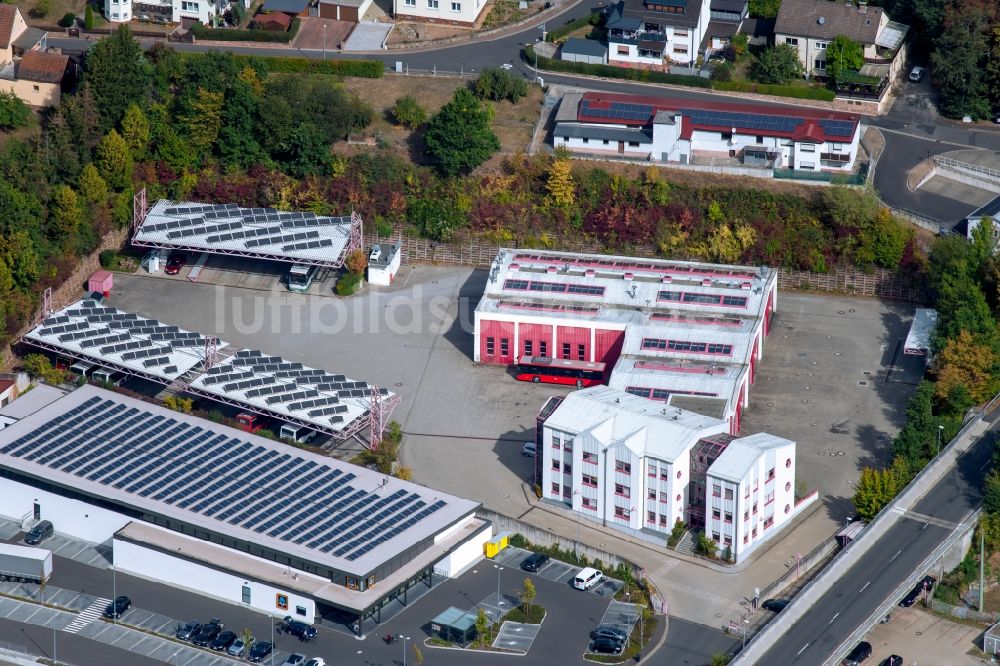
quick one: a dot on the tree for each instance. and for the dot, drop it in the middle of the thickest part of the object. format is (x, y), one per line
(843, 54)
(41, 9)
(967, 362)
(135, 131)
(408, 112)
(777, 64)
(991, 492)
(528, 595)
(88, 18)
(38, 365)
(203, 120)
(499, 84)
(356, 262)
(727, 244)
(482, 626)
(877, 487)
(764, 9)
(562, 190)
(91, 186)
(118, 73)
(65, 217)
(114, 161)
(13, 111)
(960, 58)
(459, 137)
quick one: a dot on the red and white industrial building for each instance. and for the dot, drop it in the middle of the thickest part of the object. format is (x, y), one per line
(684, 332)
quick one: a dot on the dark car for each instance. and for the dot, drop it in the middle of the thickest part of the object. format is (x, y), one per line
(117, 607)
(892, 660)
(304, 632)
(534, 562)
(606, 646)
(608, 631)
(188, 631)
(926, 584)
(259, 651)
(859, 654)
(775, 605)
(175, 262)
(223, 641)
(208, 632)
(39, 533)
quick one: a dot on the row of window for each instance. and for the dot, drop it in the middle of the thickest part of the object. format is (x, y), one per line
(687, 346)
(702, 299)
(433, 4)
(491, 347)
(554, 287)
(606, 142)
(663, 394)
(566, 467)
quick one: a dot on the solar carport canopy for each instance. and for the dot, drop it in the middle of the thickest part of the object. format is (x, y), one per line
(184, 468)
(267, 233)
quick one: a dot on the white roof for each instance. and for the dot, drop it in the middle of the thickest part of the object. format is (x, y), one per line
(667, 432)
(742, 454)
(892, 35)
(110, 337)
(259, 232)
(918, 340)
(681, 376)
(738, 339)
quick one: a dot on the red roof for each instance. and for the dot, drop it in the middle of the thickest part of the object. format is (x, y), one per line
(43, 67)
(8, 13)
(274, 18)
(800, 124)
(5, 384)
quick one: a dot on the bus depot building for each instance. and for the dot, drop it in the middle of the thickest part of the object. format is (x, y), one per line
(224, 513)
(663, 329)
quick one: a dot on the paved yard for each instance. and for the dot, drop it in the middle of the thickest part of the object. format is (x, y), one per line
(920, 637)
(310, 35)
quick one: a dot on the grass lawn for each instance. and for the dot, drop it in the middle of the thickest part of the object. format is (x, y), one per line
(533, 615)
(57, 9)
(513, 124)
(505, 12)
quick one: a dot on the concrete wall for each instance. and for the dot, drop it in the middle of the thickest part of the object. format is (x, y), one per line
(443, 12)
(199, 579)
(71, 517)
(34, 93)
(466, 554)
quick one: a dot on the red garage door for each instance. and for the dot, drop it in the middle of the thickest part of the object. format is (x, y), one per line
(535, 340)
(608, 346)
(496, 342)
(573, 343)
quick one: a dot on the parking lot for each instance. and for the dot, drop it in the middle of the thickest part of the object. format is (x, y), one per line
(556, 571)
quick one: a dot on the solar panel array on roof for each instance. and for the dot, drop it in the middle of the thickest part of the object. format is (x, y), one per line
(751, 121)
(841, 128)
(219, 477)
(618, 111)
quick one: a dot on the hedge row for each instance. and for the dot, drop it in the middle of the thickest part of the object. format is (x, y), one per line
(255, 35)
(612, 72)
(776, 89)
(572, 26)
(365, 69)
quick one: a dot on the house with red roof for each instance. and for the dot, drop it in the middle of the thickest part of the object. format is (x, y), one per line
(27, 68)
(683, 131)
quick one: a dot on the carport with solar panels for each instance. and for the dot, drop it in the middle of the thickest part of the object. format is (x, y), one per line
(234, 230)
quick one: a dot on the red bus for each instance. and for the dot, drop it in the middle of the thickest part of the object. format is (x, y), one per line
(559, 371)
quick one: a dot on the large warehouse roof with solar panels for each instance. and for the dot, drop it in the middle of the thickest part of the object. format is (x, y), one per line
(265, 233)
(688, 131)
(247, 379)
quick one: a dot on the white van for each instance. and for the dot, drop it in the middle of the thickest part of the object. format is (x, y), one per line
(296, 433)
(587, 578)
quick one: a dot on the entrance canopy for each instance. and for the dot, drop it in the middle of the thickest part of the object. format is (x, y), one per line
(455, 625)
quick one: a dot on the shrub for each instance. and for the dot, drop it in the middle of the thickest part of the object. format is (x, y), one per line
(677, 533)
(612, 72)
(347, 284)
(499, 84)
(518, 541)
(356, 262)
(13, 111)
(41, 9)
(38, 365)
(706, 546)
(108, 259)
(404, 473)
(68, 20)
(408, 112)
(365, 69)
(723, 72)
(781, 90)
(557, 34)
(88, 18)
(232, 35)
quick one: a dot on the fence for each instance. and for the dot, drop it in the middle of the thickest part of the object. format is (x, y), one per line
(964, 612)
(941, 160)
(816, 556)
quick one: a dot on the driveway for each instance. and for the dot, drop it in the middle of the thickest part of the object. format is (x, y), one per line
(311, 34)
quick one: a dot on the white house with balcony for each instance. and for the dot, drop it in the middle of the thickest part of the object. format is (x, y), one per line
(166, 11)
(456, 12)
(686, 131)
(641, 466)
(656, 32)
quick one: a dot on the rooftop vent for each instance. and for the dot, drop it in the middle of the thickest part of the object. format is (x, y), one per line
(706, 282)
(667, 279)
(551, 269)
(745, 285)
(514, 267)
(590, 272)
(821, 20)
(629, 276)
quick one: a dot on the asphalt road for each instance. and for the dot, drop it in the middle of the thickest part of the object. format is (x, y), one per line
(69, 648)
(858, 593)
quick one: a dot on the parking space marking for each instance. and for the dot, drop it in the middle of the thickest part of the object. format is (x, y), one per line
(516, 636)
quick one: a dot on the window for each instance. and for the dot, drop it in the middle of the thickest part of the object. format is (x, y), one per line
(663, 520)
(586, 140)
(792, 41)
(755, 507)
(819, 63)
(529, 350)
(622, 50)
(555, 488)
(727, 540)
(621, 512)
(788, 463)
(504, 347)
(652, 470)
(759, 139)
(807, 165)
(605, 142)
(680, 48)
(588, 503)
(589, 480)
(746, 516)
(788, 486)
(729, 493)
(651, 494)
(567, 468)
(300, 610)
(807, 148)
(411, 3)
(246, 594)
(565, 350)
(490, 348)
(543, 348)
(715, 514)
(622, 490)
(432, 4)
(35, 88)
(664, 498)
(555, 465)
(768, 498)
(622, 466)
(651, 517)
(556, 443)
(581, 352)
(754, 533)
(746, 538)
(716, 490)
(114, 15)
(590, 457)
(633, 144)
(664, 474)
(568, 445)
(715, 536)
(680, 34)
(770, 474)
(821, 45)
(728, 516)
(768, 522)
(189, 6)
(456, 6)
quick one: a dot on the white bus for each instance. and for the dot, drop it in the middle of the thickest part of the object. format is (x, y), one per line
(300, 277)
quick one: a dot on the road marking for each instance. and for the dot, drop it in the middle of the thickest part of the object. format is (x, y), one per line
(802, 650)
(923, 518)
(898, 553)
(925, 526)
(866, 585)
(833, 618)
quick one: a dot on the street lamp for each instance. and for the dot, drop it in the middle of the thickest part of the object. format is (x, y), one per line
(745, 623)
(940, 429)
(324, 41)
(577, 512)
(404, 649)
(499, 602)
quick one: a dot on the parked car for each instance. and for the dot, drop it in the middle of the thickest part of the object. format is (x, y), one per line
(240, 647)
(175, 262)
(315, 661)
(926, 584)
(587, 578)
(294, 660)
(188, 631)
(39, 533)
(117, 607)
(208, 632)
(528, 450)
(859, 654)
(892, 660)
(259, 651)
(916, 74)
(304, 632)
(534, 562)
(223, 641)
(775, 605)
(606, 646)
(609, 631)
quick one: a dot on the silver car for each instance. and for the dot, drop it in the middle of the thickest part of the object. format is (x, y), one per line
(240, 647)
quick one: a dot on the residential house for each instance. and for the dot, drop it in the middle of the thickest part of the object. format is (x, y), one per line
(990, 210)
(810, 26)
(457, 12)
(26, 68)
(352, 11)
(656, 32)
(688, 131)
(726, 19)
(166, 11)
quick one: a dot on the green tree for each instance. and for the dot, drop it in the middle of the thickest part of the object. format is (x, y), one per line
(960, 58)
(88, 18)
(65, 216)
(203, 120)
(20, 256)
(528, 595)
(500, 84)
(13, 111)
(991, 492)
(459, 137)
(967, 362)
(114, 161)
(135, 131)
(916, 441)
(877, 487)
(764, 9)
(91, 186)
(777, 64)
(843, 54)
(482, 627)
(238, 145)
(118, 73)
(435, 217)
(408, 112)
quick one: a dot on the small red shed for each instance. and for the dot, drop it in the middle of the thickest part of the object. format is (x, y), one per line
(101, 281)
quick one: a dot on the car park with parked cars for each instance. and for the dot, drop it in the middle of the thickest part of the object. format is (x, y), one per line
(606, 646)
(222, 642)
(534, 562)
(859, 654)
(117, 607)
(188, 631)
(587, 578)
(926, 584)
(259, 651)
(294, 660)
(240, 646)
(609, 631)
(208, 632)
(39, 533)
(304, 632)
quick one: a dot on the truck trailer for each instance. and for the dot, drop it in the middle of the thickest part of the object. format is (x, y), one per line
(24, 564)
